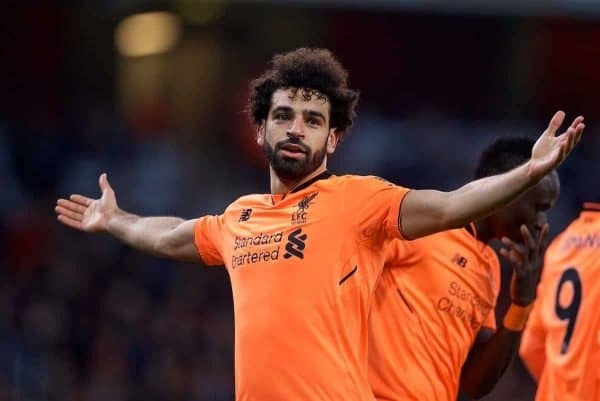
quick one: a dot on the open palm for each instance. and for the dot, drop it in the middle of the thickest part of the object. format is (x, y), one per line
(87, 214)
(550, 150)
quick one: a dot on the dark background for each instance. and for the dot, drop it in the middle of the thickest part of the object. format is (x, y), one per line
(85, 318)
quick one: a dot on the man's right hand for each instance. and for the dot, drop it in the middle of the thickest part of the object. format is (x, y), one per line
(86, 214)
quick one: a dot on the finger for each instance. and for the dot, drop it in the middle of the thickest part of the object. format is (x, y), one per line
(572, 137)
(569, 131)
(574, 129)
(542, 238)
(514, 258)
(527, 237)
(562, 151)
(578, 120)
(517, 249)
(103, 182)
(82, 200)
(75, 207)
(555, 122)
(517, 259)
(70, 214)
(566, 143)
(508, 242)
(579, 133)
(70, 222)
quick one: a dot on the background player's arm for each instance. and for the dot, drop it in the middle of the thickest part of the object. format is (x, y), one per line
(169, 237)
(492, 352)
(490, 356)
(425, 212)
(533, 345)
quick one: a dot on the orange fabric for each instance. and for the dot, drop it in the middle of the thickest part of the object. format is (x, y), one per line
(303, 268)
(532, 349)
(561, 343)
(433, 296)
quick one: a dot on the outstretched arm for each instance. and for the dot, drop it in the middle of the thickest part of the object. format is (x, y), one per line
(425, 212)
(168, 237)
(493, 352)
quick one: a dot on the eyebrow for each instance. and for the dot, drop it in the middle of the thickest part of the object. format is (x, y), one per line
(288, 109)
(282, 108)
(315, 113)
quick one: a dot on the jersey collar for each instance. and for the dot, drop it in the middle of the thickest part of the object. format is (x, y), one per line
(591, 206)
(590, 211)
(472, 230)
(323, 176)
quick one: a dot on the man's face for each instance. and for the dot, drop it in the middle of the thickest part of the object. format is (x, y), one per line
(530, 209)
(296, 136)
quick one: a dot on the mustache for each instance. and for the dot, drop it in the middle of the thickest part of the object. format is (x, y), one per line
(292, 141)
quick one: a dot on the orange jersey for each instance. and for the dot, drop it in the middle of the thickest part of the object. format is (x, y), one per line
(561, 343)
(303, 268)
(432, 298)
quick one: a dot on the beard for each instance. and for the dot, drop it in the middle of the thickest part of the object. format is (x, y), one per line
(291, 169)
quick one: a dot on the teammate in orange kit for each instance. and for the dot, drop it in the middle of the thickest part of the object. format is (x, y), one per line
(561, 343)
(303, 260)
(432, 326)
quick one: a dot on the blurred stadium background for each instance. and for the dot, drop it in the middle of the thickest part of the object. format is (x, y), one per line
(153, 93)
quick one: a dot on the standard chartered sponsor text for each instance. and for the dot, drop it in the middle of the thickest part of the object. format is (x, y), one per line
(464, 304)
(264, 247)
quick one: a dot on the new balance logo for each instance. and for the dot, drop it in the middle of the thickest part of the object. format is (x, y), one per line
(296, 244)
(245, 215)
(459, 260)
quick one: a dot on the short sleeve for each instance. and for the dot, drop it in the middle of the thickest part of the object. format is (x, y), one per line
(374, 206)
(208, 239)
(490, 320)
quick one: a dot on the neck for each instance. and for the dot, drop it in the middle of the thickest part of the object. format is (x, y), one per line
(281, 186)
(484, 231)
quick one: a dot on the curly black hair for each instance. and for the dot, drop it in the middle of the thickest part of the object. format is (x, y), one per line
(504, 154)
(309, 72)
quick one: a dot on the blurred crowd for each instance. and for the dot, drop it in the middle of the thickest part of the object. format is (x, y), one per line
(84, 318)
